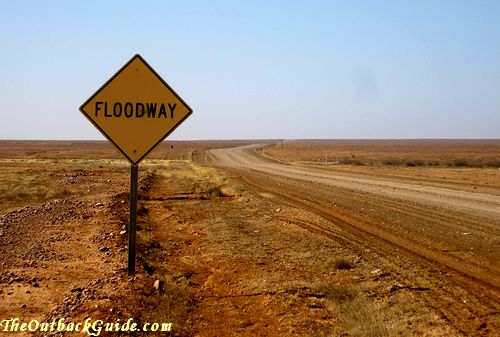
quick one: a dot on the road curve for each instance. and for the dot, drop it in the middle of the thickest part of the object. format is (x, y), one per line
(451, 229)
(480, 204)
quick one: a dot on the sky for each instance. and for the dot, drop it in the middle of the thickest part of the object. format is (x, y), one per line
(260, 69)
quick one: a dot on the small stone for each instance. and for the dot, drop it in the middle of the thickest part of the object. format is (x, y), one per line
(99, 204)
(123, 232)
(395, 287)
(376, 271)
(157, 285)
(103, 249)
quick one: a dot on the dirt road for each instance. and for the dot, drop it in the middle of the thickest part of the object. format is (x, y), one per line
(444, 234)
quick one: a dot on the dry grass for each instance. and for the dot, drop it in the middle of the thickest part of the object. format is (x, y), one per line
(493, 163)
(419, 162)
(359, 315)
(172, 304)
(215, 192)
(203, 180)
(174, 150)
(20, 187)
(349, 161)
(452, 153)
(30, 181)
(363, 318)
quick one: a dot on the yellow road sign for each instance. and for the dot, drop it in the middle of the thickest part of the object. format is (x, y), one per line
(136, 109)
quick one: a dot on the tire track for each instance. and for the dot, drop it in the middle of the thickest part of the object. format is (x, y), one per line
(364, 228)
(407, 254)
(407, 262)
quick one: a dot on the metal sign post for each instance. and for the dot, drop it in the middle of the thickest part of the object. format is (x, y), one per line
(132, 224)
(135, 110)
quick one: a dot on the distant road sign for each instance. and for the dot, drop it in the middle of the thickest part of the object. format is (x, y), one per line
(136, 109)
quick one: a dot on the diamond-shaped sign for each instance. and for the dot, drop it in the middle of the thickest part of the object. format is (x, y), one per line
(136, 109)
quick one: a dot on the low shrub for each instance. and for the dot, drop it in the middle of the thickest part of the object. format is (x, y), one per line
(416, 162)
(460, 163)
(342, 264)
(493, 163)
(392, 162)
(215, 192)
(350, 161)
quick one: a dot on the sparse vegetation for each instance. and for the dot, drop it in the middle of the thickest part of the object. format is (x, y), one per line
(415, 162)
(409, 153)
(174, 303)
(493, 163)
(408, 162)
(20, 187)
(342, 264)
(338, 294)
(350, 161)
(215, 192)
(461, 163)
(392, 161)
(356, 310)
(362, 318)
(29, 181)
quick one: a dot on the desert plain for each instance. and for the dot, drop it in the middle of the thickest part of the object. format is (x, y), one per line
(257, 238)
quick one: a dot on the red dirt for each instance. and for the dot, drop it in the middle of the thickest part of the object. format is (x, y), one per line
(254, 246)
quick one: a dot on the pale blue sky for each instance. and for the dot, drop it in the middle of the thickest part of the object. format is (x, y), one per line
(260, 69)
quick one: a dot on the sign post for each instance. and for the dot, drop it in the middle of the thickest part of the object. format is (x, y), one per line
(132, 228)
(135, 110)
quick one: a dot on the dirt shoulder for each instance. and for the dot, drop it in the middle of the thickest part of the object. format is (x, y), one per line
(250, 265)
